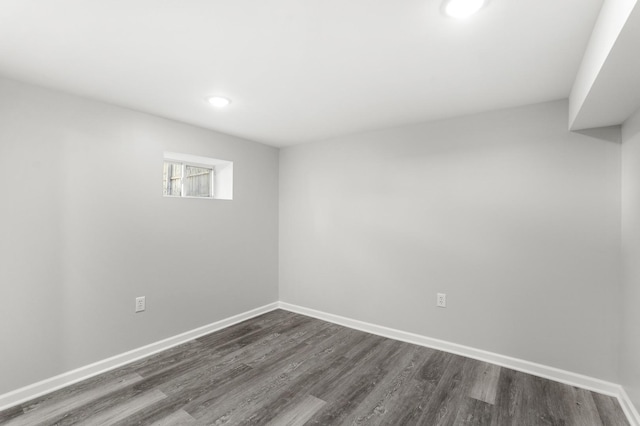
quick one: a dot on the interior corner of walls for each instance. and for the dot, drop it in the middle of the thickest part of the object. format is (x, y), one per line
(629, 407)
(573, 109)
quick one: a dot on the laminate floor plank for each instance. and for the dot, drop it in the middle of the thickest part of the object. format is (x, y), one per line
(197, 349)
(279, 343)
(360, 353)
(283, 368)
(211, 360)
(163, 361)
(299, 413)
(453, 387)
(583, 407)
(221, 374)
(327, 367)
(270, 359)
(347, 394)
(533, 409)
(419, 390)
(485, 386)
(560, 402)
(288, 397)
(108, 414)
(240, 401)
(609, 409)
(189, 391)
(384, 398)
(328, 330)
(177, 418)
(10, 414)
(202, 369)
(235, 342)
(474, 412)
(67, 400)
(508, 399)
(108, 406)
(244, 329)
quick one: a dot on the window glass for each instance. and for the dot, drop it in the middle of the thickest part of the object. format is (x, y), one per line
(197, 181)
(193, 176)
(172, 179)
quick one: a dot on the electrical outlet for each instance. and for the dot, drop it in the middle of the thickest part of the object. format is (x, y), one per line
(442, 300)
(140, 304)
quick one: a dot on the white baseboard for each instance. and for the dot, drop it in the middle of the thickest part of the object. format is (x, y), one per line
(43, 387)
(551, 373)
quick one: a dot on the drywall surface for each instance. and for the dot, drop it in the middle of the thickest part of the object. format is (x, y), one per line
(516, 219)
(615, 95)
(630, 353)
(85, 229)
(610, 24)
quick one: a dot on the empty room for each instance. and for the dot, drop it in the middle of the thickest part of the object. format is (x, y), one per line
(354, 212)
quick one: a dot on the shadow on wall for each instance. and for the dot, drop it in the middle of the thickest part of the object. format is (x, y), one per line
(602, 133)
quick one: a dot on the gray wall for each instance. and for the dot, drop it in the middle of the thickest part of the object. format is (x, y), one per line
(84, 230)
(630, 351)
(511, 215)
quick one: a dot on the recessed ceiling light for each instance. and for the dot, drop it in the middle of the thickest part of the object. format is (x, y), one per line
(462, 8)
(218, 101)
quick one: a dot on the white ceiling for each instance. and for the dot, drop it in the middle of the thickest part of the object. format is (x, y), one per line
(298, 70)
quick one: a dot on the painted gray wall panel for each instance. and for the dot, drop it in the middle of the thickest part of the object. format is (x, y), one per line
(510, 214)
(85, 230)
(630, 348)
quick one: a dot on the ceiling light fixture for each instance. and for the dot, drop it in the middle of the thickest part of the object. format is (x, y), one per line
(462, 8)
(218, 101)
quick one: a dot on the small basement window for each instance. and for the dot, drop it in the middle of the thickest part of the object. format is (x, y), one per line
(191, 176)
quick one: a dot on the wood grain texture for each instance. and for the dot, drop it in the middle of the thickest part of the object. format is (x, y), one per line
(299, 413)
(177, 418)
(287, 369)
(485, 386)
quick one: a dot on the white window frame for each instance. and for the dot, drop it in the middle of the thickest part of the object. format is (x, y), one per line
(183, 175)
(221, 185)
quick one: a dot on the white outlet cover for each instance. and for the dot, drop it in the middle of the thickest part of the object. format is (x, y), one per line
(441, 301)
(140, 304)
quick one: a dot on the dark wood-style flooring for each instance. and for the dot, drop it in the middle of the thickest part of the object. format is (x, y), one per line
(287, 369)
